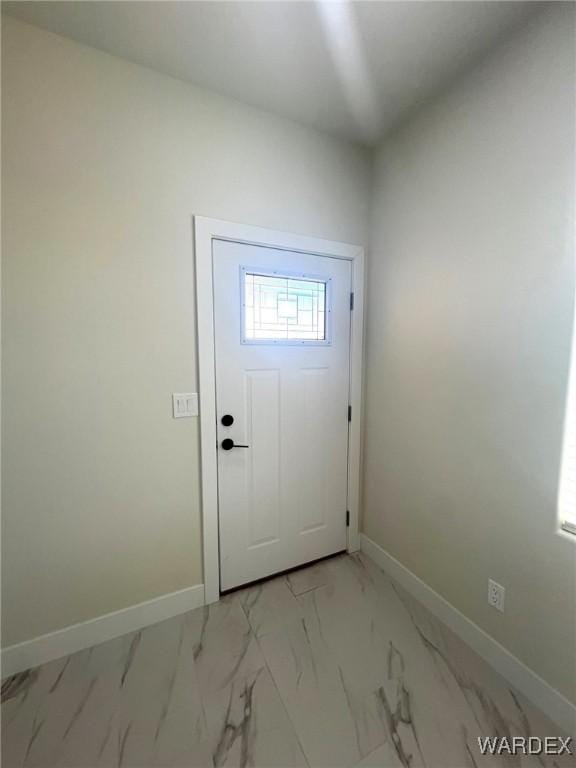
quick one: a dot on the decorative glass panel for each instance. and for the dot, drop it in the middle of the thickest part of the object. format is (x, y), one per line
(284, 308)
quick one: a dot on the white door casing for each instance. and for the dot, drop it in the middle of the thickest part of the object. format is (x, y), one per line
(206, 232)
(282, 499)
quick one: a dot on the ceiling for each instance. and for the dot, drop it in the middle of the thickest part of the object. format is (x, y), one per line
(352, 69)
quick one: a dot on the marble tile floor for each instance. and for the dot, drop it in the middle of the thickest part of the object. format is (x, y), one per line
(331, 666)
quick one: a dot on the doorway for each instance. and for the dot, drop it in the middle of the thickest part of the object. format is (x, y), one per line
(280, 329)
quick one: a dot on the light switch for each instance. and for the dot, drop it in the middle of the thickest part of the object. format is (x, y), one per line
(184, 404)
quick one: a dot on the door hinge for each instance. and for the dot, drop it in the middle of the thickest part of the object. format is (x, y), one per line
(349, 413)
(347, 518)
(351, 302)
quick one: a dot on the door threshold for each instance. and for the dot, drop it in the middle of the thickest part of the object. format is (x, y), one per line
(276, 574)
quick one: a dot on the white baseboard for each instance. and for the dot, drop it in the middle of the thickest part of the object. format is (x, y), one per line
(538, 691)
(31, 653)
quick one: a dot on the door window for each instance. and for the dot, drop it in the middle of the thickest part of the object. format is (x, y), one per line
(284, 308)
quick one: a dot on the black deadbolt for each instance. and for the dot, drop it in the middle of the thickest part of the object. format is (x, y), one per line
(227, 420)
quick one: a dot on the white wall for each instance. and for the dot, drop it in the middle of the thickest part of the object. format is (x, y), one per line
(469, 320)
(105, 163)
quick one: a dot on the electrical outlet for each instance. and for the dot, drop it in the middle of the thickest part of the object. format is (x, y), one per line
(496, 593)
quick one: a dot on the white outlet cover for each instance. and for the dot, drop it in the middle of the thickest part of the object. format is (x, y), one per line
(184, 405)
(496, 594)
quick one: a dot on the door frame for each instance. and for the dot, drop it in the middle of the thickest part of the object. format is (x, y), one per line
(205, 231)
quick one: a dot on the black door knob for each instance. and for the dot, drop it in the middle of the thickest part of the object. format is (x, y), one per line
(227, 444)
(227, 420)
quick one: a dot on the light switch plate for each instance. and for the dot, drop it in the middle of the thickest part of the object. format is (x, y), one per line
(184, 404)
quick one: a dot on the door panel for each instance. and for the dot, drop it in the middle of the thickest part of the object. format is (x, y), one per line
(282, 325)
(263, 458)
(313, 426)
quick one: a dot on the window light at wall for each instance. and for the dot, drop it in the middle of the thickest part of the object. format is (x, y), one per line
(567, 495)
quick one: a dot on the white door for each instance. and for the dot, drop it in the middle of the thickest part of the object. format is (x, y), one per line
(282, 330)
